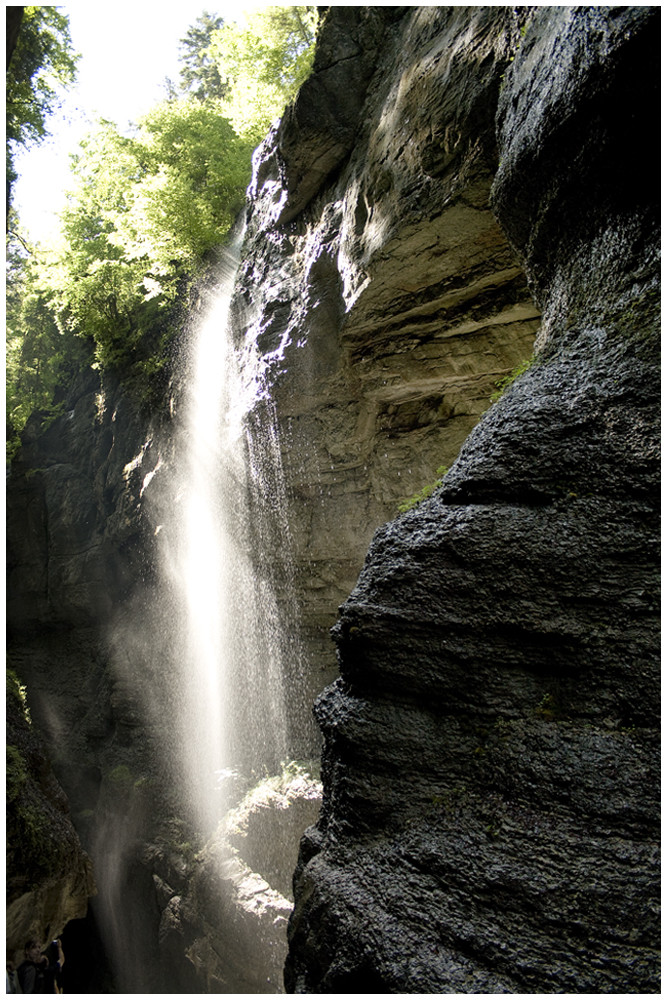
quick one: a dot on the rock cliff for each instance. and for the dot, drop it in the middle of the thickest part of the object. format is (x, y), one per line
(175, 910)
(450, 184)
(49, 876)
(376, 280)
(490, 818)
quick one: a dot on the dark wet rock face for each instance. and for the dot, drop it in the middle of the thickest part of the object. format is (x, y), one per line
(449, 183)
(387, 301)
(48, 876)
(491, 816)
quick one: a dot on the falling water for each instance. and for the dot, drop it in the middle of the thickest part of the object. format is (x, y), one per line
(228, 702)
(207, 651)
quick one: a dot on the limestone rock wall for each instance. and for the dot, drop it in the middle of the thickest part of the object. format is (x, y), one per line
(82, 502)
(489, 742)
(376, 281)
(73, 546)
(81, 560)
(491, 800)
(74, 513)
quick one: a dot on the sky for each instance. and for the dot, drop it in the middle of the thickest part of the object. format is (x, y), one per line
(127, 52)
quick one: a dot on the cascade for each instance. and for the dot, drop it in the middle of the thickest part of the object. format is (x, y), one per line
(208, 650)
(227, 696)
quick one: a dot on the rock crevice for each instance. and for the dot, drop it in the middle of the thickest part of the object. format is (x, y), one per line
(490, 766)
(450, 184)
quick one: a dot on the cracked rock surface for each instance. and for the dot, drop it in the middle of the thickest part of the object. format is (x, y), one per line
(387, 301)
(491, 808)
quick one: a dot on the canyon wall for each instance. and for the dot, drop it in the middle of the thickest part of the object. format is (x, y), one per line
(376, 280)
(490, 767)
(49, 876)
(169, 909)
(450, 184)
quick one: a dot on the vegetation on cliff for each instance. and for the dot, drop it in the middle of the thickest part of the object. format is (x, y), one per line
(147, 211)
(424, 493)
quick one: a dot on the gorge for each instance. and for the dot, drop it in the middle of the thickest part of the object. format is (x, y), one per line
(455, 195)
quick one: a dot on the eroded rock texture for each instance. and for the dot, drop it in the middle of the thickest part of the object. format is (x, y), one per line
(73, 534)
(490, 819)
(233, 915)
(81, 564)
(81, 610)
(48, 876)
(375, 279)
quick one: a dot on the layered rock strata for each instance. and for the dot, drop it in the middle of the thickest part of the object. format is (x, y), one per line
(491, 807)
(375, 280)
(386, 301)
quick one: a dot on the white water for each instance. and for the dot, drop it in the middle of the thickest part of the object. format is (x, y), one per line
(206, 657)
(228, 699)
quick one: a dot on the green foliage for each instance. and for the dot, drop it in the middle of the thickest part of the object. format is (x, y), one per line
(42, 63)
(40, 355)
(503, 383)
(32, 850)
(145, 213)
(17, 693)
(547, 708)
(424, 493)
(200, 74)
(125, 788)
(120, 779)
(16, 773)
(264, 62)
(196, 170)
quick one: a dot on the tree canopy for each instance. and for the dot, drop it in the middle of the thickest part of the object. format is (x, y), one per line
(264, 61)
(200, 74)
(41, 63)
(146, 210)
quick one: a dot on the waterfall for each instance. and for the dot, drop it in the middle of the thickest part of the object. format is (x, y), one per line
(205, 652)
(226, 494)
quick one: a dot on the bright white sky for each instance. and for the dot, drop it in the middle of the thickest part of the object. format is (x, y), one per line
(127, 51)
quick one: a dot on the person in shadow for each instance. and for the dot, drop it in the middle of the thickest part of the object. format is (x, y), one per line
(40, 971)
(11, 977)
